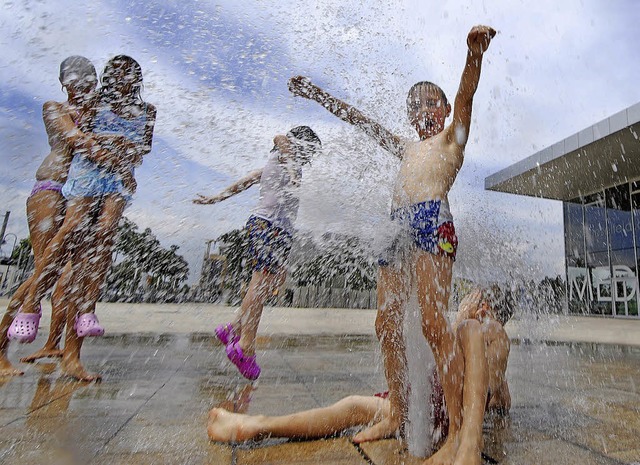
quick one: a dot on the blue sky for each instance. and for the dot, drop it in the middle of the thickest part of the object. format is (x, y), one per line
(217, 73)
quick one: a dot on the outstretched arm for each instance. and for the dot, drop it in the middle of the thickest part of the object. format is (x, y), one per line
(477, 41)
(235, 188)
(303, 87)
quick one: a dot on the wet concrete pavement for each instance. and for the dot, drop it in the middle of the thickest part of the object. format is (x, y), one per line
(572, 403)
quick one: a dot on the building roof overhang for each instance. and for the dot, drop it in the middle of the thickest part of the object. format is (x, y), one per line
(603, 155)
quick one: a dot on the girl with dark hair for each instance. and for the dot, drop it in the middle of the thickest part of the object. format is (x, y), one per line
(270, 230)
(97, 190)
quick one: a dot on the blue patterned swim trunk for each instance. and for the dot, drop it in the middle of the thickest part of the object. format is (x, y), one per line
(269, 245)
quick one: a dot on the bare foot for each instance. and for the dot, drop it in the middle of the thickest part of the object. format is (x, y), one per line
(446, 454)
(239, 403)
(385, 428)
(42, 353)
(75, 370)
(6, 369)
(225, 426)
(468, 454)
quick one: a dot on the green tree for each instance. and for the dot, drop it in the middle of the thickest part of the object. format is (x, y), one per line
(551, 293)
(20, 254)
(234, 246)
(344, 259)
(140, 255)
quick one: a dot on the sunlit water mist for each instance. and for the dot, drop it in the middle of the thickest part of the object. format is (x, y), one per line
(420, 364)
(347, 191)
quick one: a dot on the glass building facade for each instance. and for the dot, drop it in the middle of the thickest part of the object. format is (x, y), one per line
(602, 241)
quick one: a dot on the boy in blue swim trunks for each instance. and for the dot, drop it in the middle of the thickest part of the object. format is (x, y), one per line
(269, 230)
(423, 252)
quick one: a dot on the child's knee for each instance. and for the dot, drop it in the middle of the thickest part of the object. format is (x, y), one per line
(469, 329)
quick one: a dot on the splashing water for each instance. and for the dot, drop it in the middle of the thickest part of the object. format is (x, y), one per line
(420, 363)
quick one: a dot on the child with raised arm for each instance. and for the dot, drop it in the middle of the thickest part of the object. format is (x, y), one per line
(485, 346)
(423, 252)
(270, 229)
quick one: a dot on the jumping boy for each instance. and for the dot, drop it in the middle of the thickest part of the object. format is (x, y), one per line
(423, 252)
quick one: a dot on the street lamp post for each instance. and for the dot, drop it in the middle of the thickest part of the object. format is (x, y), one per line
(8, 262)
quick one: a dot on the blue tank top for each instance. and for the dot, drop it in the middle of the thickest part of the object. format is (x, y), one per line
(88, 179)
(107, 122)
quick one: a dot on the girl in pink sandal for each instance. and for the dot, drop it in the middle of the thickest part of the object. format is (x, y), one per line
(46, 205)
(97, 191)
(270, 230)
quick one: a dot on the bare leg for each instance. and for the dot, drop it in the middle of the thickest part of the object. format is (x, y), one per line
(261, 287)
(98, 256)
(45, 212)
(474, 397)
(434, 284)
(315, 423)
(497, 350)
(58, 252)
(59, 304)
(70, 364)
(392, 294)
(95, 260)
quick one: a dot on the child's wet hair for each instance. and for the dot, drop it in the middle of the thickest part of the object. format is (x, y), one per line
(134, 67)
(77, 68)
(306, 142)
(501, 302)
(426, 85)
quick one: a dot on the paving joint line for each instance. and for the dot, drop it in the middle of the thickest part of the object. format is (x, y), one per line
(128, 420)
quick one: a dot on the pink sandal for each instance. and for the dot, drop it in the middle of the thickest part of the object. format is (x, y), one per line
(24, 327)
(247, 366)
(226, 334)
(87, 325)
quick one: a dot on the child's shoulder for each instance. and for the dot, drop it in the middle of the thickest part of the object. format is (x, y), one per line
(52, 109)
(53, 105)
(150, 108)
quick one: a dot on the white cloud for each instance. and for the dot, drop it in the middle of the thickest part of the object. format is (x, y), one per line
(554, 68)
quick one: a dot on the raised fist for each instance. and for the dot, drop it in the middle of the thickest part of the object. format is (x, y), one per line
(479, 38)
(302, 87)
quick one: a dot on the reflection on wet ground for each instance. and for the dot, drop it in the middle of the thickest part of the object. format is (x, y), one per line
(572, 404)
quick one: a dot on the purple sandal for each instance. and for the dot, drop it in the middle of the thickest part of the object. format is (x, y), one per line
(247, 366)
(87, 325)
(226, 334)
(24, 327)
